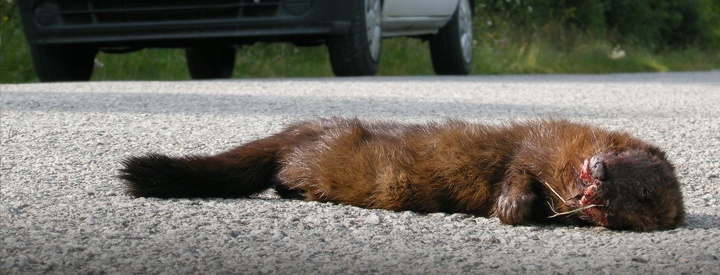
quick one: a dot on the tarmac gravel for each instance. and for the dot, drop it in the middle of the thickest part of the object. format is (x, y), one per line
(62, 210)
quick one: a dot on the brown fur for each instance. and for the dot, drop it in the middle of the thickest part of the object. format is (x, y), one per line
(512, 171)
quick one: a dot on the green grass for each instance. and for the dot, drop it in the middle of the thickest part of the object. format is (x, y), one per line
(501, 50)
(15, 63)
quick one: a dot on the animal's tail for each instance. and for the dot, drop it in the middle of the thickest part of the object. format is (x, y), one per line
(243, 171)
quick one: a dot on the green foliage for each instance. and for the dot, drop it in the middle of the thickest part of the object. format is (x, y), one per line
(710, 14)
(656, 24)
(666, 23)
(15, 63)
(582, 14)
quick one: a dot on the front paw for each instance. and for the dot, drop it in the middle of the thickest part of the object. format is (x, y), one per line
(515, 208)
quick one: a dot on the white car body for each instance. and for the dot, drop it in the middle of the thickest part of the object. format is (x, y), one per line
(416, 17)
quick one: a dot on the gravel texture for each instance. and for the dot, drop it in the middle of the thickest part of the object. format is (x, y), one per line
(62, 210)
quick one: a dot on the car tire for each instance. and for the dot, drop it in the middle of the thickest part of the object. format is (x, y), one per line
(451, 47)
(210, 63)
(357, 53)
(55, 63)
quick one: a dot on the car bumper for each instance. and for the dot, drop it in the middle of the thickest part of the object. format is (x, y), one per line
(154, 23)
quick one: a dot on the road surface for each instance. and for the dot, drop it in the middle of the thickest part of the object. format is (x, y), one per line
(62, 210)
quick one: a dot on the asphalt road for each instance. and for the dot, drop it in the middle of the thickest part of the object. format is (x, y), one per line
(63, 211)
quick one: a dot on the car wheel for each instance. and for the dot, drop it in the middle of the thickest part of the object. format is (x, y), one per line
(357, 53)
(451, 48)
(55, 63)
(210, 63)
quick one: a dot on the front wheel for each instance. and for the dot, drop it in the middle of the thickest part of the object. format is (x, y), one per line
(54, 63)
(451, 48)
(210, 63)
(357, 53)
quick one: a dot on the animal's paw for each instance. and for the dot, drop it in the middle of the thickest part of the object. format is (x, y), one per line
(515, 208)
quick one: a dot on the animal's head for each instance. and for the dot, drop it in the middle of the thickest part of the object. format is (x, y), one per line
(631, 189)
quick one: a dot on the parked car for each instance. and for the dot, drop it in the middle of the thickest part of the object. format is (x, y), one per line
(65, 35)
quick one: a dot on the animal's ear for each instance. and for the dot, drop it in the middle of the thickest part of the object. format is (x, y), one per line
(661, 156)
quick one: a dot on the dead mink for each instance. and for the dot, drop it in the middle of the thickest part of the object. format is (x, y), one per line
(538, 171)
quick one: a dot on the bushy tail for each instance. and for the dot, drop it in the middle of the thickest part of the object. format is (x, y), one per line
(241, 172)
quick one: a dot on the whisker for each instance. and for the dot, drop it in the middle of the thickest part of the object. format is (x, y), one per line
(552, 207)
(572, 211)
(555, 192)
(595, 141)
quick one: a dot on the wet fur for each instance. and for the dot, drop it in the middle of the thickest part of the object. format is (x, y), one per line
(512, 171)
